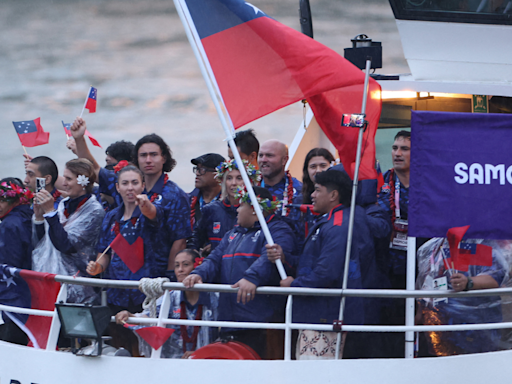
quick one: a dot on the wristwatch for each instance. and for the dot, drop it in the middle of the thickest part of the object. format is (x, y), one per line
(469, 284)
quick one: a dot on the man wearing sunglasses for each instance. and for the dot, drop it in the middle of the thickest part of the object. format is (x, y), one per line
(207, 188)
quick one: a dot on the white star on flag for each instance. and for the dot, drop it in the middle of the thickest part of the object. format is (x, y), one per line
(256, 9)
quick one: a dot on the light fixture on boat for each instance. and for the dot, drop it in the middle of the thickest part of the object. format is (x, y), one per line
(362, 48)
(84, 321)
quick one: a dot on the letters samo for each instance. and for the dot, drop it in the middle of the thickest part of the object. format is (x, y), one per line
(482, 174)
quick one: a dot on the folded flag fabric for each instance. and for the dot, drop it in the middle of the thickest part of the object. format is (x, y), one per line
(155, 336)
(465, 254)
(31, 133)
(261, 65)
(91, 100)
(87, 133)
(29, 289)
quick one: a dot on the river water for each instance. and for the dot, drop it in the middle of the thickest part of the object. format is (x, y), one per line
(136, 54)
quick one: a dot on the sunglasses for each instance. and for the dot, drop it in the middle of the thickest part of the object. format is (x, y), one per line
(201, 171)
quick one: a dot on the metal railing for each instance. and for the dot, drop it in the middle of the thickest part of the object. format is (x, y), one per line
(287, 326)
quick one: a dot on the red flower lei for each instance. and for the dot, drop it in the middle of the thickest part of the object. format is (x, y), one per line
(155, 195)
(288, 189)
(66, 213)
(183, 328)
(193, 211)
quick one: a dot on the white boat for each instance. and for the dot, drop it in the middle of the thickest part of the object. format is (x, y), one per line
(440, 48)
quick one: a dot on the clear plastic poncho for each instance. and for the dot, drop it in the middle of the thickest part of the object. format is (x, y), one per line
(434, 273)
(83, 228)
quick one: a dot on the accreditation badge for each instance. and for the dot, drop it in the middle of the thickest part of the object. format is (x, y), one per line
(399, 235)
(440, 284)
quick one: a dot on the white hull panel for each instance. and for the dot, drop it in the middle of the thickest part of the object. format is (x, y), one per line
(26, 365)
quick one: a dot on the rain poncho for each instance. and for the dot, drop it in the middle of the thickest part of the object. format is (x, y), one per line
(82, 229)
(432, 268)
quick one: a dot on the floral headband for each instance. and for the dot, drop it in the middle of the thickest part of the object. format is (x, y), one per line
(266, 205)
(230, 165)
(11, 191)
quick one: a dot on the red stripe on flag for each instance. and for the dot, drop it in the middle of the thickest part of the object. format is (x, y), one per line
(43, 290)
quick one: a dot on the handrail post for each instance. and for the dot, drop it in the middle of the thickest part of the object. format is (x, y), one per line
(164, 314)
(288, 330)
(53, 336)
(409, 302)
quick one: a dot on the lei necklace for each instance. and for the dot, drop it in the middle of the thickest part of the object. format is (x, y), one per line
(287, 193)
(184, 334)
(266, 205)
(155, 195)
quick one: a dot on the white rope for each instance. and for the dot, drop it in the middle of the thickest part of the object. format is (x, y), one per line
(152, 288)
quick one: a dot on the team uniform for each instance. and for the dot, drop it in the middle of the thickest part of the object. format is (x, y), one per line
(218, 217)
(137, 226)
(197, 204)
(16, 238)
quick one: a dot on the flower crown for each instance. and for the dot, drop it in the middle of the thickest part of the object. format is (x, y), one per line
(230, 165)
(11, 191)
(120, 165)
(266, 205)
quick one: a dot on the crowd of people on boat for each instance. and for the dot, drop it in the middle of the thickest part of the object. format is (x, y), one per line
(128, 220)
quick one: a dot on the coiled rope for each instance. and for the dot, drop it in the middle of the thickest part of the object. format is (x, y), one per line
(152, 288)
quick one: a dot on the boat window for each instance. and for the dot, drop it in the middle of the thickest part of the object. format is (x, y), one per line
(455, 11)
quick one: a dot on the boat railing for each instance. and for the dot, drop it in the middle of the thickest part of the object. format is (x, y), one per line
(287, 326)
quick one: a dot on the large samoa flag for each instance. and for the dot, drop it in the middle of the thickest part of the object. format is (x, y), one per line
(261, 65)
(461, 174)
(29, 289)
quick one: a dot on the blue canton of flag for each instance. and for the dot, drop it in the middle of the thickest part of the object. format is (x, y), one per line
(468, 247)
(131, 232)
(92, 93)
(25, 127)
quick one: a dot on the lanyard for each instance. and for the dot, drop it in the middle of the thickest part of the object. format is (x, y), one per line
(397, 198)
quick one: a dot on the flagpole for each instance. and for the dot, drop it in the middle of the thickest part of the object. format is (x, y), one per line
(25, 149)
(353, 203)
(208, 76)
(86, 98)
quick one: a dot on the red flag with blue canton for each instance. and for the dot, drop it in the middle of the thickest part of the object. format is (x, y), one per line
(91, 100)
(129, 246)
(31, 133)
(261, 65)
(68, 132)
(29, 289)
(466, 254)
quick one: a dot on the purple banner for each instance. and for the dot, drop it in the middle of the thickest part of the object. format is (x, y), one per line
(461, 174)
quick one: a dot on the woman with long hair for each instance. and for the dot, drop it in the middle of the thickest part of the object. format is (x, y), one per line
(317, 160)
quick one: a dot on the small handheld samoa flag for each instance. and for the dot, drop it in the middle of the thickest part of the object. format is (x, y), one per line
(467, 253)
(91, 100)
(129, 246)
(31, 133)
(87, 133)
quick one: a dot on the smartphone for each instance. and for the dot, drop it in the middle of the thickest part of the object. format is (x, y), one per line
(353, 120)
(40, 184)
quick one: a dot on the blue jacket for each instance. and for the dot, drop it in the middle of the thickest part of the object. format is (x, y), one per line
(150, 231)
(322, 263)
(16, 238)
(218, 217)
(242, 255)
